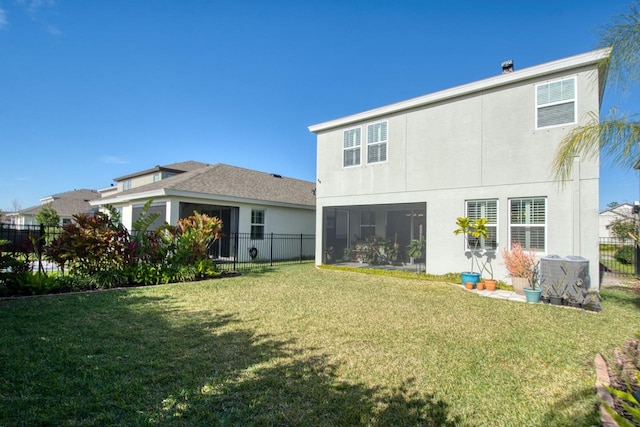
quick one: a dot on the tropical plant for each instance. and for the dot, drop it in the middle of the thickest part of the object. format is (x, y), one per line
(194, 235)
(415, 248)
(472, 231)
(520, 263)
(616, 136)
(90, 243)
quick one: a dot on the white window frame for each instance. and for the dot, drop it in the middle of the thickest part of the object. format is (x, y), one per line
(529, 225)
(378, 143)
(157, 176)
(255, 225)
(489, 224)
(126, 185)
(553, 103)
(355, 148)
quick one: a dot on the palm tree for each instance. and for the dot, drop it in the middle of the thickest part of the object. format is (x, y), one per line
(617, 136)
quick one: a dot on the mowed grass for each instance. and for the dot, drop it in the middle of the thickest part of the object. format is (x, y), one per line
(303, 346)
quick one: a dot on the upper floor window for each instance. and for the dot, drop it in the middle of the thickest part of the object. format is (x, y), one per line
(477, 209)
(126, 185)
(157, 177)
(351, 147)
(377, 142)
(257, 224)
(528, 223)
(556, 103)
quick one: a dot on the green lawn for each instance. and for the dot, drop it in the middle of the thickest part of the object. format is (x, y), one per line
(303, 346)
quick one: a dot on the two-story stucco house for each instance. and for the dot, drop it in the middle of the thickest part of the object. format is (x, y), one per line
(408, 170)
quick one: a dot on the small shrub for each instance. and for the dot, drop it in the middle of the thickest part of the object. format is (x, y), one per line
(36, 284)
(625, 255)
(76, 283)
(107, 279)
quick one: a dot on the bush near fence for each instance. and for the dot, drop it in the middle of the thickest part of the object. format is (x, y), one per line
(233, 252)
(618, 256)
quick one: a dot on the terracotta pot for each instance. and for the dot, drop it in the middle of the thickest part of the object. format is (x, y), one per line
(480, 286)
(490, 284)
(469, 285)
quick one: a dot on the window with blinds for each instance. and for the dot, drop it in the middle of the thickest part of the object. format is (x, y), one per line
(377, 142)
(477, 209)
(528, 223)
(556, 103)
(257, 224)
(351, 147)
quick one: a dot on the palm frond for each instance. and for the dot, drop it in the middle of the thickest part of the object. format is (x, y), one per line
(617, 139)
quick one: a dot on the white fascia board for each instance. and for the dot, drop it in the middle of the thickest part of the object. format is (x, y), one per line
(232, 199)
(126, 198)
(560, 65)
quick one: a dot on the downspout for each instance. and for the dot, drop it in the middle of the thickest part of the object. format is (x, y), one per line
(576, 247)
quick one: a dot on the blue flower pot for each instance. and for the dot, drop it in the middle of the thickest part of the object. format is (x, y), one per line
(470, 277)
(532, 295)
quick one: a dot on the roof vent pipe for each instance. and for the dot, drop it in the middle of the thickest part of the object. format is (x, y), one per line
(507, 66)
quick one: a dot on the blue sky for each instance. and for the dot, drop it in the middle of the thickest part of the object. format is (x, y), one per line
(92, 90)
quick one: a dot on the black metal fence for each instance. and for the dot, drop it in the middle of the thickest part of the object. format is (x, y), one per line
(242, 251)
(232, 252)
(619, 256)
(26, 239)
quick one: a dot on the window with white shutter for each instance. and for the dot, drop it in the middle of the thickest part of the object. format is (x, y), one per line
(477, 209)
(556, 103)
(351, 147)
(528, 223)
(377, 142)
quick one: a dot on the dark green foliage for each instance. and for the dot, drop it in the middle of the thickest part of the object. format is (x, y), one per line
(76, 283)
(36, 284)
(48, 216)
(624, 228)
(625, 255)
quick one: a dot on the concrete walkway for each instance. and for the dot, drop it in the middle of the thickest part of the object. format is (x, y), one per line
(498, 293)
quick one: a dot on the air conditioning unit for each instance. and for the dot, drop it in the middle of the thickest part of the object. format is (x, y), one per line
(569, 276)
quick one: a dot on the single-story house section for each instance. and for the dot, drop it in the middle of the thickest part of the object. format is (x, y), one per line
(407, 170)
(622, 211)
(65, 204)
(247, 201)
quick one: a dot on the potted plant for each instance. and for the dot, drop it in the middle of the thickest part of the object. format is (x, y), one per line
(520, 265)
(475, 229)
(533, 291)
(491, 283)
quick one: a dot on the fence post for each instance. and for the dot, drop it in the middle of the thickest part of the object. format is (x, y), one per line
(235, 249)
(637, 269)
(271, 251)
(301, 248)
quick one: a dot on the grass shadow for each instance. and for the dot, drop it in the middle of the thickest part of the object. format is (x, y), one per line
(557, 415)
(120, 358)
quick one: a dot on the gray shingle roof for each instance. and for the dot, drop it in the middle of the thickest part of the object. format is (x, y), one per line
(68, 203)
(232, 181)
(178, 167)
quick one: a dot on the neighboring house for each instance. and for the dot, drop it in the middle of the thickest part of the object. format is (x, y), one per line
(246, 201)
(623, 211)
(65, 204)
(408, 170)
